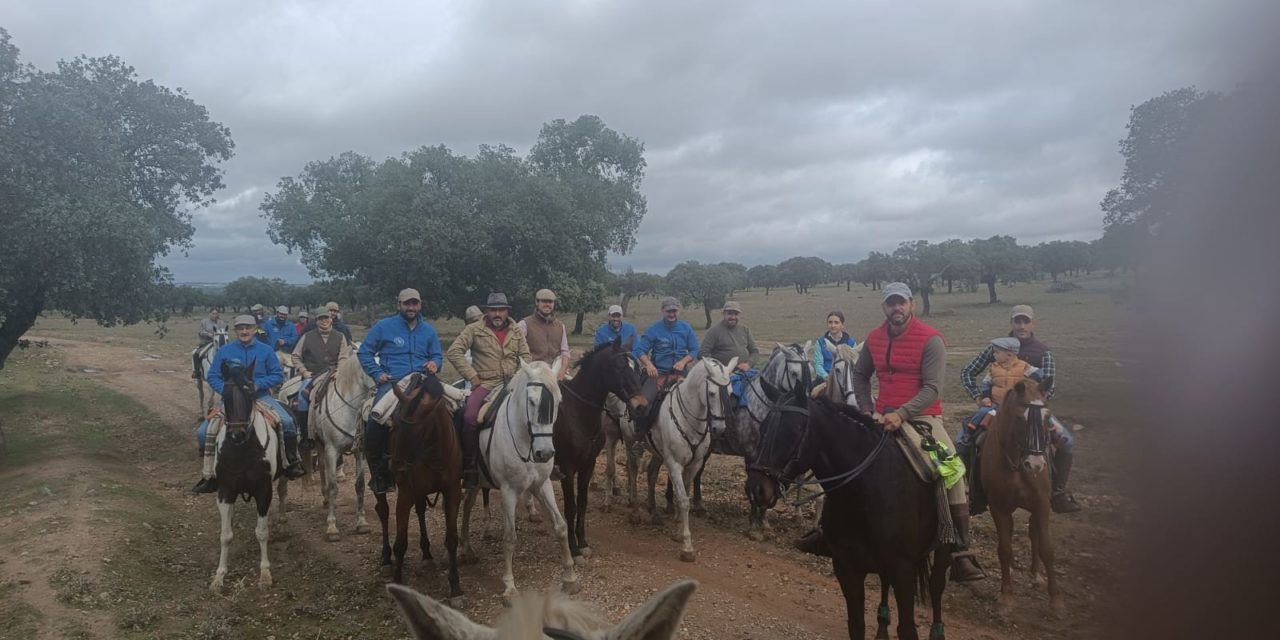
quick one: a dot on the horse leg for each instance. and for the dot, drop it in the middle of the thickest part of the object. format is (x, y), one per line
(1004, 532)
(652, 480)
(263, 532)
(571, 515)
(1041, 520)
(488, 514)
(282, 491)
(677, 476)
(633, 473)
(362, 525)
(755, 522)
(853, 586)
(403, 506)
(424, 542)
(384, 512)
(452, 498)
(671, 495)
(697, 506)
(882, 613)
(510, 504)
(224, 511)
(531, 509)
(580, 526)
(610, 470)
(468, 555)
(937, 585)
(904, 592)
(1033, 534)
(568, 576)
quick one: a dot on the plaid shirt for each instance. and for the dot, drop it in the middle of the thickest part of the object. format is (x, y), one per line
(968, 375)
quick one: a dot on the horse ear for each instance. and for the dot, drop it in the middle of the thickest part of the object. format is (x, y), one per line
(527, 369)
(400, 395)
(733, 364)
(430, 620)
(808, 346)
(659, 618)
(1020, 388)
(1046, 384)
(557, 366)
(617, 340)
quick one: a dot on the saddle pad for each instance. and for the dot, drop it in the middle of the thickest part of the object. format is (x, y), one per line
(386, 406)
(494, 399)
(917, 458)
(289, 389)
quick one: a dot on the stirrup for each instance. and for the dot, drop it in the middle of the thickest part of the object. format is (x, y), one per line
(206, 485)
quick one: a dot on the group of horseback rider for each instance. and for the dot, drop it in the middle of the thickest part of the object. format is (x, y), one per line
(906, 355)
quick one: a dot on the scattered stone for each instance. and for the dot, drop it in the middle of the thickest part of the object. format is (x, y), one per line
(90, 370)
(150, 356)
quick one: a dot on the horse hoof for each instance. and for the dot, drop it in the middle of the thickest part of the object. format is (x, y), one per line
(638, 517)
(458, 603)
(579, 561)
(332, 535)
(509, 596)
(468, 558)
(755, 535)
(264, 580)
(585, 551)
(429, 562)
(569, 587)
(677, 536)
(385, 572)
(699, 511)
(534, 516)
(362, 528)
(688, 556)
(657, 518)
(216, 585)
(616, 491)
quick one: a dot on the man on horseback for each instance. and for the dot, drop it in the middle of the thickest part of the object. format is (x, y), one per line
(496, 351)
(281, 334)
(666, 349)
(209, 329)
(403, 344)
(731, 339)
(1036, 354)
(335, 312)
(908, 357)
(317, 353)
(266, 374)
(615, 329)
(545, 333)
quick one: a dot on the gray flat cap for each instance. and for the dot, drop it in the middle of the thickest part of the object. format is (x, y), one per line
(1008, 343)
(895, 289)
(282, 309)
(244, 320)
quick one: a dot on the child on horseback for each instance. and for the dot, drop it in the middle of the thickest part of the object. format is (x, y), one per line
(1005, 372)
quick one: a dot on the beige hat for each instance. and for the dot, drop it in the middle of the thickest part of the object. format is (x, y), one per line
(257, 307)
(408, 294)
(1023, 310)
(615, 309)
(473, 314)
(332, 306)
(733, 306)
(545, 294)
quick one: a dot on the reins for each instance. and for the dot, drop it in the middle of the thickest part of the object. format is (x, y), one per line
(529, 421)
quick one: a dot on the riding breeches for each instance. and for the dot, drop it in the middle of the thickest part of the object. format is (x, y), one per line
(957, 494)
(471, 414)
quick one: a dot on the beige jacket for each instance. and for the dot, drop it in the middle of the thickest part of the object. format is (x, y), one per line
(493, 363)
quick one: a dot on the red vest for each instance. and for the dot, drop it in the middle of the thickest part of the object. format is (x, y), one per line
(897, 361)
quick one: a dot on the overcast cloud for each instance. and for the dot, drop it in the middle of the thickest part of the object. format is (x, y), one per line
(772, 129)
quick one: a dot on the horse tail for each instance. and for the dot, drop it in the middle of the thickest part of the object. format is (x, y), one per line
(924, 569)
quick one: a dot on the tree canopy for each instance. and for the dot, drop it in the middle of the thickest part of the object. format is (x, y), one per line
(99, 172)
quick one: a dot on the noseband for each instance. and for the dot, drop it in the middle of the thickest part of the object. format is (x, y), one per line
(546, 397)
(561, 634)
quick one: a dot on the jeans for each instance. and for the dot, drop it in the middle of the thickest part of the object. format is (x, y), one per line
(303, 402)
(287, 424)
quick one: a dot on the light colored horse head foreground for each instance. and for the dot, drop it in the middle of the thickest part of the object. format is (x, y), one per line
(840, 380)
(549, 616)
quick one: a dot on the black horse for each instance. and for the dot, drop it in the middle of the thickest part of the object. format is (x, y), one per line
(879, 517)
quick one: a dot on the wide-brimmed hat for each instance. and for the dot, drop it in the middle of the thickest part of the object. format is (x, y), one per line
(332, 306)
(472, 314)
(304, 314)
(257, 307)
(497, 300)
(282, 309)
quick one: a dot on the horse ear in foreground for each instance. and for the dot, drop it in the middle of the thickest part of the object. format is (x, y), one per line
(545, 616)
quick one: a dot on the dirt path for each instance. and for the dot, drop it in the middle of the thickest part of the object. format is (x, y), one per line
(748, 589)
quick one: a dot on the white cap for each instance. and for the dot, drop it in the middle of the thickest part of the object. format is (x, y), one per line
(615, 309)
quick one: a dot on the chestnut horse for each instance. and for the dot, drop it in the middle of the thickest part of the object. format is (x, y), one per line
(1015, 472)
(578, 434)
(426, 458)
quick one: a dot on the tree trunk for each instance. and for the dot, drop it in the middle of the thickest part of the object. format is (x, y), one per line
(924, 297)
(577, 324)
(766, 290)
(706, 309)
(991, 291)
(626, 302)
(848, 286)
(950, 282)
(20, 321)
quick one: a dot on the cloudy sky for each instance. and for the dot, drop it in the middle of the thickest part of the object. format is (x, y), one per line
(772, 129)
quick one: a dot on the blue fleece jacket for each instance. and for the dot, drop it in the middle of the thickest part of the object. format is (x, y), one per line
(400, 350)
(822, 355)
(266, 367)
(606, 334)
(276, 331)
(666, 344)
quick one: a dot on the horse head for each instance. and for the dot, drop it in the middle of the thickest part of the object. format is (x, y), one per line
(536, 617)
(840, 379)
(418, 399)
(712, 376)
(238, 393)
(1021, 422)
(540, 395)
(624, 372)
(788, 367)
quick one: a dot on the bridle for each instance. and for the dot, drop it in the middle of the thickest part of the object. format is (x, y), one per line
(756, 386)
(530, 419)
(1035, 441)
(561, 634)
(710, 415)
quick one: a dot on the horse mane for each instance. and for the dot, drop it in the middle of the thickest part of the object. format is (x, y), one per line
(603, 346)
(532, 611)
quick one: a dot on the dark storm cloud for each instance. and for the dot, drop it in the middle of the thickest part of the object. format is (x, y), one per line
(772, 129)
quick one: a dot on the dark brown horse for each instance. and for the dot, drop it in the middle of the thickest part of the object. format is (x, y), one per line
(879, 517)
(579, 434)
(1015, 472)
(426, 458)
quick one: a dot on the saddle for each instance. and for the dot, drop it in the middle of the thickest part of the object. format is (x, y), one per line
(289, 389)
(487, 415)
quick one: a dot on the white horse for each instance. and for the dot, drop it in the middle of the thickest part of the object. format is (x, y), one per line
(516, 456)
(205, 353)
(545, 616)
(681, 437)
(334, 419)
(247, 459)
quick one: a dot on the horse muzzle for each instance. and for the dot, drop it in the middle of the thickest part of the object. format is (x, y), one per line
(1034, 464)
(543, 455)
(637, 406)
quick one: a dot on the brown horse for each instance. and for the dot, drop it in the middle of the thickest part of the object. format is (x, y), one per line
(426, 458)
(1015, 471)
(579, 435)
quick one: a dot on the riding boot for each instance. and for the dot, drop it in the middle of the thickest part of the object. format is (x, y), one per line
(294, 469)
(195, 365)
(964, 565)
(1062, 500)
(814, 542)
(470, 445)
(208, 483)
(977, 493)
(303, 419)
(375, 446)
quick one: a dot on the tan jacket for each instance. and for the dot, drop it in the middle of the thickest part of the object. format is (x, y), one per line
(1004, 377)
(493, 363)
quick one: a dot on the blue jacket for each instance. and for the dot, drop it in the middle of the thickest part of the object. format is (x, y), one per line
(665, 345)
(266, 367)
(288, 333)
(606, 334)
(822, 355)
(401, 351)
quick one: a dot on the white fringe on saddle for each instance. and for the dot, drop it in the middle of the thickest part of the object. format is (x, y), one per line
(386, 407)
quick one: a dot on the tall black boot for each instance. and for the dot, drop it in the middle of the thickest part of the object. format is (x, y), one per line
(304, 433)
(470, 447)
(195, 365)
(977, 493)
(964, 565)
(375, 451)
(1062, 501)
(294, 470)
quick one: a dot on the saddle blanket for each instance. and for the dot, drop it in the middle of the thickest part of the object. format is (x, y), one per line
(385, 407)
